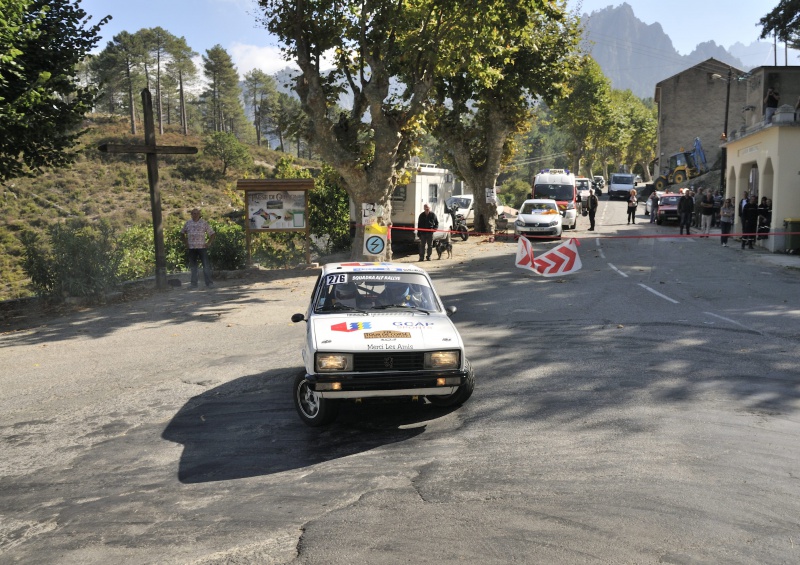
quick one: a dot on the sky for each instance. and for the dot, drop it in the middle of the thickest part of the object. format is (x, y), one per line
(232, 23)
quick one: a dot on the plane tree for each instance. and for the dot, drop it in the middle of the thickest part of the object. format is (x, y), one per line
(387, 54)
(483, 104)
(584, 115)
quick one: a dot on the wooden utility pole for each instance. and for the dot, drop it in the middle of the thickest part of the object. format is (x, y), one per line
(151, 151)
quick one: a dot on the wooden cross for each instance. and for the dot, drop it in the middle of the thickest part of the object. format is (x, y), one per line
(151, 150)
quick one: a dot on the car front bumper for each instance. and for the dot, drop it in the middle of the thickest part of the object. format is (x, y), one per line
(389, 384)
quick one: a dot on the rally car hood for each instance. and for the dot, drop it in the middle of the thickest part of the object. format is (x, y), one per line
(382, 331)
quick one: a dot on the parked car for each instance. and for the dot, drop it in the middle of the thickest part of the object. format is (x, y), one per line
(638, 179)
(378, 330)
(538, 217)
(668, 208)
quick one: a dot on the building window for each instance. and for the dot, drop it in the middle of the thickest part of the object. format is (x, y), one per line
(399, 193)
(433, 193)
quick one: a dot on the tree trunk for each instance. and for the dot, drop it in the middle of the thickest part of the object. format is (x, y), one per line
(131, 100)
(184, 123)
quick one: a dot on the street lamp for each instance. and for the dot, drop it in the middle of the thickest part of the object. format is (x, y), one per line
(724, 156)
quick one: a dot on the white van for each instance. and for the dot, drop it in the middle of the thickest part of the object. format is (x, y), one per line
(466, 206)
(559, 185)
(620, 185)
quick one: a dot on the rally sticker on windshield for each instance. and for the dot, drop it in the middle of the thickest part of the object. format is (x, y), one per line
(376, 277)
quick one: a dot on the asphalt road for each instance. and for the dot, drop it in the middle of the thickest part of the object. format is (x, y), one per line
(645, 409)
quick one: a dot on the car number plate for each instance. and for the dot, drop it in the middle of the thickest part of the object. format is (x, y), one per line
(541, 229)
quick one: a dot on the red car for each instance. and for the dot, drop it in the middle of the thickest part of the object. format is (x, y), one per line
(668, 208)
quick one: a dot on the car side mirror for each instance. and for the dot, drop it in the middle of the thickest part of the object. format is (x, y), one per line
(451, 310)
(298, 318)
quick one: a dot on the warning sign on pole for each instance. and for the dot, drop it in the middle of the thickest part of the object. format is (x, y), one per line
(375, 236)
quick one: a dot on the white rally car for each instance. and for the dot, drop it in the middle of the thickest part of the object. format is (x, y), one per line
(378, 330)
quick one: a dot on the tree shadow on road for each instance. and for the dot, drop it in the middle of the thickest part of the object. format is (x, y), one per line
(248, 427)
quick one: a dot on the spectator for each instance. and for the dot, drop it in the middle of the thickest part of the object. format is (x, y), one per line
(707, 211)
(745, 199)
(764, 217)
(427, 222)
(750, 222)
(771, 104)
(726, 214)
(198, 237)
(592, 207)
(718, 198)
(653, 207)
(685, 211)
(632, 205)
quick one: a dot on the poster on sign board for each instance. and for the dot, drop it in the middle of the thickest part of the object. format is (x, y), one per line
(277, 210)
(491, 196)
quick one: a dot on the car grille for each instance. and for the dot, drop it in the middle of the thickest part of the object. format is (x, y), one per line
(537, 224)
(376, 362)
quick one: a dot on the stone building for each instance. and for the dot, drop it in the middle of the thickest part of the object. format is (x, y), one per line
(762, 157)
(692, 104)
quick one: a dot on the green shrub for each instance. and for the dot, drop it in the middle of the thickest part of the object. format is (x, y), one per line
(74, 259)
(229, 250)
(138, 255)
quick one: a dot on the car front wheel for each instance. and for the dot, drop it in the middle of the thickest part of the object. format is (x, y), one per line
(461, 395)
(314, 410)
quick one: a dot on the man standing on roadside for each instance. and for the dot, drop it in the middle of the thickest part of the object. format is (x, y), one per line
(707, 213)
(685, 211)
(198, 237)
(426, 223)
(591, 206)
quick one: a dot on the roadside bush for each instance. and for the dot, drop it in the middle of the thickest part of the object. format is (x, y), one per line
(73, 259)
(137, 253)
(228, 252)
(278, 250)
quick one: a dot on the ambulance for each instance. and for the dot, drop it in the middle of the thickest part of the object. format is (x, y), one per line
(559, 185)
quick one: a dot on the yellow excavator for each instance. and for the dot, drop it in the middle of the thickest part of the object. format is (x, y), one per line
(683, 166)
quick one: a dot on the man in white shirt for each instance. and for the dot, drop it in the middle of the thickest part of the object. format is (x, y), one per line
(198, 237)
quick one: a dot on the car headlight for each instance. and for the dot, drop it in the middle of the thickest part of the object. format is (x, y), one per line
(334, 362)
(442, 360)
(519, 223)
(555, 222)
(570, 205)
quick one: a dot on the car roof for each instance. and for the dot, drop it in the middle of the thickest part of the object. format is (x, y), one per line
(355, 266)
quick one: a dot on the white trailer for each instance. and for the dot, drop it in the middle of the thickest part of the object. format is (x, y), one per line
(429, 185)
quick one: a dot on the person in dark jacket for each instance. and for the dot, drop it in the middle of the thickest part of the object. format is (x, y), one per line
(426, 222)
(750, 222)
(685, 211)
(592, 207)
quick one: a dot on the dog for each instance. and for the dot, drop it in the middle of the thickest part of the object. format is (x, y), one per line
(444, 246)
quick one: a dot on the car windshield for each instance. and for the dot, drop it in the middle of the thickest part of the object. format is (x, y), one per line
(554, 191)
(538, 208)
(583, 184)
(668, 200)
(461, 202)
(366, 291)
